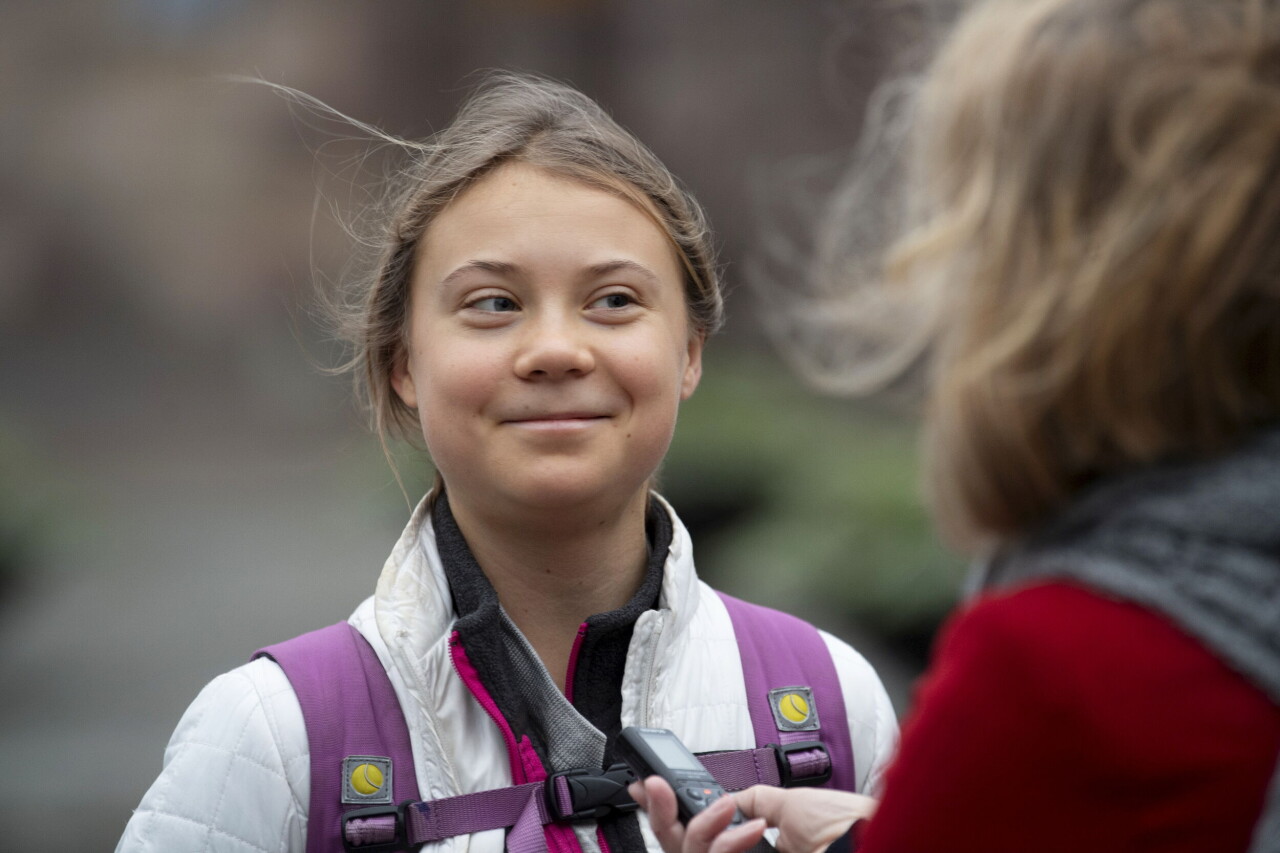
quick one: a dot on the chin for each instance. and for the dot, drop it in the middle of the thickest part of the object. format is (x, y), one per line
(555, 495)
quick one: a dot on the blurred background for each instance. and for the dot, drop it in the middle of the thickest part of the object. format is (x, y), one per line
(180, 481)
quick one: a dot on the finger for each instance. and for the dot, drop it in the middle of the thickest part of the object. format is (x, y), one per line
(661, 807)
(703, 830)
(763, 801)
(740, 838)
(662, 801)
(638, 793)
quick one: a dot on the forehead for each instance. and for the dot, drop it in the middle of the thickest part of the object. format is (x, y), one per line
(520, 213)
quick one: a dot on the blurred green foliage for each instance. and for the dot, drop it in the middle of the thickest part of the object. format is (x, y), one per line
(26, 516)
(807, 503)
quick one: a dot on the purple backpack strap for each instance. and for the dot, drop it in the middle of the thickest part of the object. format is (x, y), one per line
(350, 709)
(779, 651)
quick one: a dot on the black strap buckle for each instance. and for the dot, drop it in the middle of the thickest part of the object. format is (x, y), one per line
(786, 774)
(399, 842)
(592, 793)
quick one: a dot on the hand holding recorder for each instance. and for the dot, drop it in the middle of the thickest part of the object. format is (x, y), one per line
(690, 813)
(658, 752)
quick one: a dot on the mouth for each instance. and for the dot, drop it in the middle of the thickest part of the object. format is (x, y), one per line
(557, 420)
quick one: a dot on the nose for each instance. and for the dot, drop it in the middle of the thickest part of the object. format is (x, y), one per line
(554, 348)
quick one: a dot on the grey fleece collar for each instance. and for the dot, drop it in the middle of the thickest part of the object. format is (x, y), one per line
(1198, 542)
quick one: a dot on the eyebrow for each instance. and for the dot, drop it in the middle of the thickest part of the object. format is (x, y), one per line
(496, 267)
(621, 264)
(503, 268)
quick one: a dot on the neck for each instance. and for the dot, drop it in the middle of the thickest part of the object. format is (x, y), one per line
(551, 576)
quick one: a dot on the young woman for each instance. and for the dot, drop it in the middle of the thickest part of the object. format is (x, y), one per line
(1099, 184)
(538, 316)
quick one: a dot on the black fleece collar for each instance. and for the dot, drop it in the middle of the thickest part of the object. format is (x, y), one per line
(602, 656)
(597, 695)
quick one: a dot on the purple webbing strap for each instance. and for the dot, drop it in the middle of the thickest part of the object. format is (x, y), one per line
(527, 835)
(350, 708)
(809, 762)
(362, 831)
(737, 771)
(465, 814)
(779, 650)
(740, 769)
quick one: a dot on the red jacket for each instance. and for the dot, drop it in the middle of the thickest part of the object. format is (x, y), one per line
(1053, 718)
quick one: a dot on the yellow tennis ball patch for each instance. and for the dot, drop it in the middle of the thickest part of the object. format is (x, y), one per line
(794, 707)
(366, 779)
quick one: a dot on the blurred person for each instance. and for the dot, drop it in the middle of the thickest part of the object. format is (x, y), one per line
(538, 316)
(1096, 261)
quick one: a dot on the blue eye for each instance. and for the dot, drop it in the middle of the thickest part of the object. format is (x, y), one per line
(614, 300)
(495, 303)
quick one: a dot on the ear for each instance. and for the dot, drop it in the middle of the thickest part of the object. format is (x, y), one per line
(693, 368)
(402, 381)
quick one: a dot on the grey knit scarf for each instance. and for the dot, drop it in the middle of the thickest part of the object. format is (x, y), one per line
(1198, 542)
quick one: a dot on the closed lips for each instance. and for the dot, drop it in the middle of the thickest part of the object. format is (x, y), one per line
(557, 416)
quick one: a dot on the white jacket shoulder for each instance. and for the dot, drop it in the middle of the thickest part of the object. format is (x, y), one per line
(236, 774)
(873, 726)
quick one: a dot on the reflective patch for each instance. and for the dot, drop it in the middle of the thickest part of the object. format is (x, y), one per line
(366, 780)
(793, 709)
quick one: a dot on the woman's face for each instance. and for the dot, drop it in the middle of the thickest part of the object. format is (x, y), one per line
(548, 345)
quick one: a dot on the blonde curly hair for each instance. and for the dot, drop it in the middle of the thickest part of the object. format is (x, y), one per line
(1089, 274)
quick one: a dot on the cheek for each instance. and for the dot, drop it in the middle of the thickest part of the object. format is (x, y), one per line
(450, 390)
(658, 373)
